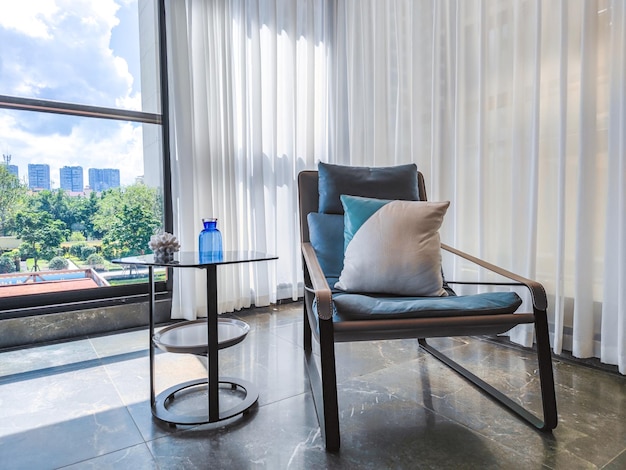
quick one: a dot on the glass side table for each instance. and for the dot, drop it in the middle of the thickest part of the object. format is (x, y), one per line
(200, 337)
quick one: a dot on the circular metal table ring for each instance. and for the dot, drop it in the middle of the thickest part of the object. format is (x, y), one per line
(166, 397)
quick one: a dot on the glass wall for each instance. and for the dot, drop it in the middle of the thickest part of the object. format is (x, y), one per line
(81, 175)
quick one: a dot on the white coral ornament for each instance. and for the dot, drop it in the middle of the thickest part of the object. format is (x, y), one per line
(164, 245)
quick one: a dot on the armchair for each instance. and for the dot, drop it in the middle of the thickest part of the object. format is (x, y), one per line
(333, 315)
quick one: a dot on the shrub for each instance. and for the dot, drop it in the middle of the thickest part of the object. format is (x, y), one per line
(95, 260)
(57, 263)
(50, 253)
(76, 248)
(17, 257)
(87, 251)
(7, 264)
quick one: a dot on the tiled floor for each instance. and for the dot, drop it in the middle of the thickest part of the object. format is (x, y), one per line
(84, 404)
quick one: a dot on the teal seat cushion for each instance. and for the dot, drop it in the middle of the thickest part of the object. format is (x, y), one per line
(365, 307)
(394, 182)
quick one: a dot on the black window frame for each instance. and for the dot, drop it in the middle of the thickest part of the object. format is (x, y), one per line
(40, 304)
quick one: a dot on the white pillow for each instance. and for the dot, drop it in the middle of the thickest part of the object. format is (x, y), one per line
(392, 247)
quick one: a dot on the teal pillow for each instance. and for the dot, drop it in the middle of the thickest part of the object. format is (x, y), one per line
(360, 209)
(392, 247)
(392, 182)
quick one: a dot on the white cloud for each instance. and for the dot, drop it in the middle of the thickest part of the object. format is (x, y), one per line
(32, 18)
(119, 146)
(62, 50)
(66, 50)
(127, 101)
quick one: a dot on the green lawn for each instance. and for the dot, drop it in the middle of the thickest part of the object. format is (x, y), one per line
(41, 263)
(158, 277)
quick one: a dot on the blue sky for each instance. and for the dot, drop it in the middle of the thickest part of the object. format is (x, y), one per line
(80, 51)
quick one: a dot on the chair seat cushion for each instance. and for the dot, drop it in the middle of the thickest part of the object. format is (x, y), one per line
(364, 307)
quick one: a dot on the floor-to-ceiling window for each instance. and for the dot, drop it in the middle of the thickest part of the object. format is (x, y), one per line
(82, 176)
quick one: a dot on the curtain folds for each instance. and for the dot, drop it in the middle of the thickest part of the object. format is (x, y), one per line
(249, 85)
(515, 110)
(613, 331)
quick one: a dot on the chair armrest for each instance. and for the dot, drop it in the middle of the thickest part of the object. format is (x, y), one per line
(537, 292)
(318, 281)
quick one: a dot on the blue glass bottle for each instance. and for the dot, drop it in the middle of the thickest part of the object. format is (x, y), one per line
(210, 242)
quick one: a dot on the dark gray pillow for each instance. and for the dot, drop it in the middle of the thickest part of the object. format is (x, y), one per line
(394, 182)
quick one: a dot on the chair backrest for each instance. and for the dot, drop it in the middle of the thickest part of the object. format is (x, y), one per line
(308, 197)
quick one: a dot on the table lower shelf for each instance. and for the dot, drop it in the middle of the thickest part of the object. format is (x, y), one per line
(168, 397)
(192, 336)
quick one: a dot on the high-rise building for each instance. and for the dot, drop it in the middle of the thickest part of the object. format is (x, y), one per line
(38, 176)
(101, 179)
(14, 170)
(72, 178)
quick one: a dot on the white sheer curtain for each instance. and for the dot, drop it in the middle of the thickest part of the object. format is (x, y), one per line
(248, 90)
(516, 112)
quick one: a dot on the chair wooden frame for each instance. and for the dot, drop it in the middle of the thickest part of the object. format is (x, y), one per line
(318, 324)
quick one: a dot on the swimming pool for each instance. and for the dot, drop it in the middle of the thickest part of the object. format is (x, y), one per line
(42, 276)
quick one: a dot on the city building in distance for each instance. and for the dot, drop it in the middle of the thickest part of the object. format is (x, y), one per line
(13, 169)
(72, 178)
(101, 179)
(38, 176)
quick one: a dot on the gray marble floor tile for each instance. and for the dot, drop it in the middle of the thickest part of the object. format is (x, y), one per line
(449, 398)
(273, 364)
(272, 316)
(46, 359)
(52, 420)
(136, 458)
(274, 436)
(85, 404)
(618, 463)
(122, 343)
(67, 439)
(132, 382)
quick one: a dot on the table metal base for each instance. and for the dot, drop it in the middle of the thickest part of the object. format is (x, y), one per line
(166, 397)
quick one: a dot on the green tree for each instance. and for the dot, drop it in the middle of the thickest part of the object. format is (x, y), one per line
(128, 218)
(40, 233)
(130, 233)
(61, 207)
(80, 212)
(89, 209)
(12, 195)
(77, 237)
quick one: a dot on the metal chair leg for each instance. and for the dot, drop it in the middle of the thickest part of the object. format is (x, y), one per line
(324, 387)
(548, 396)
